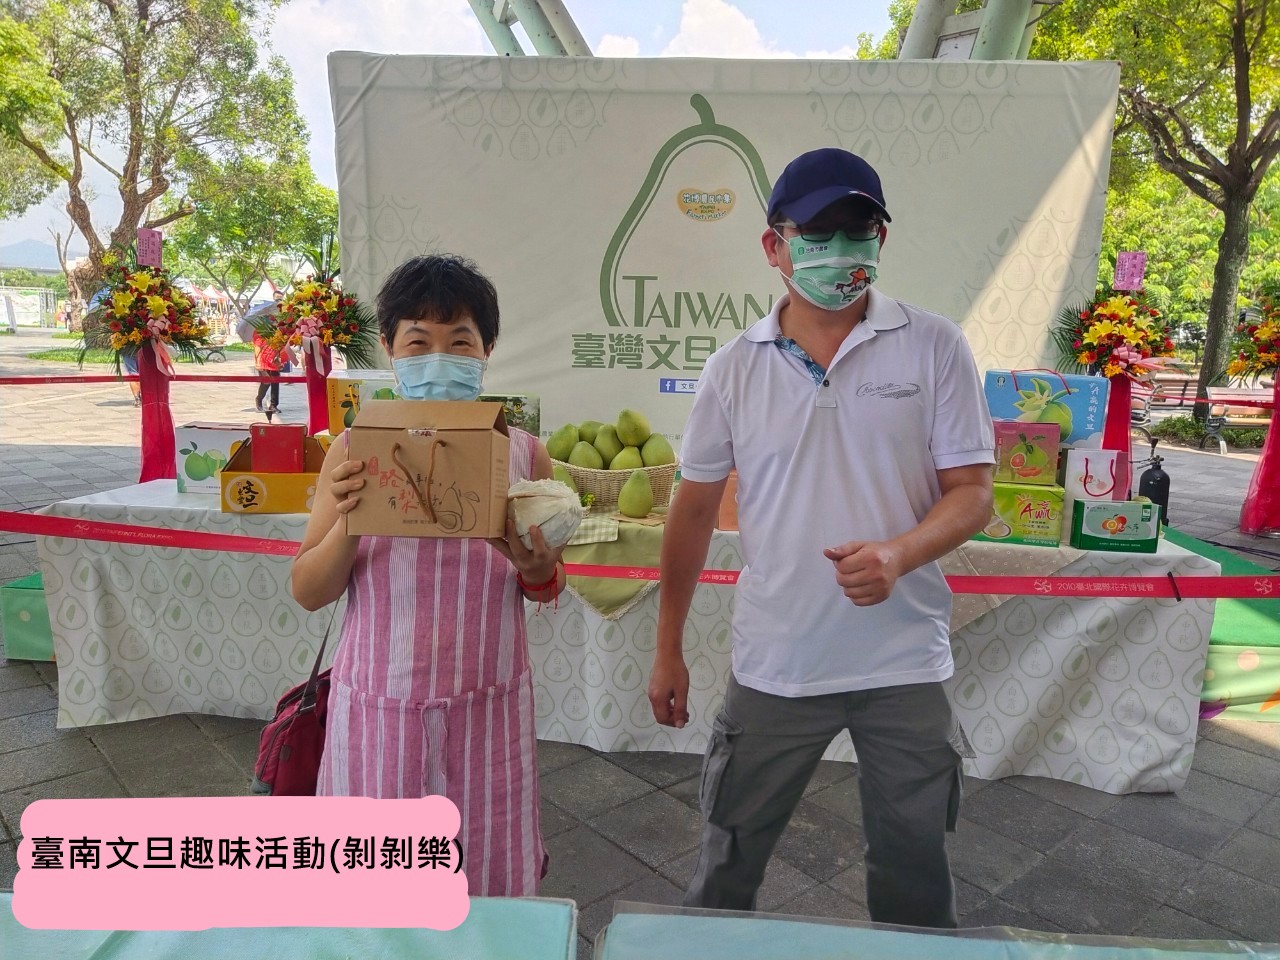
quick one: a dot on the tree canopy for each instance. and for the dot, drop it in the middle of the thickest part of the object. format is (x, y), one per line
(158, 93)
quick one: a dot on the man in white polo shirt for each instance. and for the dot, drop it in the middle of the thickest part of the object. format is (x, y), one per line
(863, 447)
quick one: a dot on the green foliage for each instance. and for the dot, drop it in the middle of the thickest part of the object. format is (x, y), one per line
(246, 213)
(1187, 429)
(886, 48)
(175, 87)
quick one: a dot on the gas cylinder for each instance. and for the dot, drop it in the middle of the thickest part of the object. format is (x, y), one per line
(1154, 485)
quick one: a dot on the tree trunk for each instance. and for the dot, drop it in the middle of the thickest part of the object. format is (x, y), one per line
(1233, 248)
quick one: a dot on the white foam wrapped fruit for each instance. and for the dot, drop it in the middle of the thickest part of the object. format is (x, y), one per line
(546, 504)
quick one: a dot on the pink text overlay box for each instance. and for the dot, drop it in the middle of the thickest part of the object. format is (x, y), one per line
(272, 862)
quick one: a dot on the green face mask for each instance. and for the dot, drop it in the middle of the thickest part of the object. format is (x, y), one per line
(833, 273)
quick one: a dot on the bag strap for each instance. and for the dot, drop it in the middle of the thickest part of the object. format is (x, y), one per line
(313, 682)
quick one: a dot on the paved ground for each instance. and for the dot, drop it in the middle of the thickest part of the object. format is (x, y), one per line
(1032, 853)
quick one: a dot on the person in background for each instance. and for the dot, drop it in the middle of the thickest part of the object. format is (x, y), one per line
(432, 685)
(863, 449)
(268, 361)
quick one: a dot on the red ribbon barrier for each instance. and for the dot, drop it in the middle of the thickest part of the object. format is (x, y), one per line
(184, 378)
(1210, 587)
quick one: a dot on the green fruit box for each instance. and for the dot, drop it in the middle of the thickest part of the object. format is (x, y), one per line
(1130, 526)
(204, 448)
(1026, 452)
(1077, 404)
(24, 618)
(1024, 513)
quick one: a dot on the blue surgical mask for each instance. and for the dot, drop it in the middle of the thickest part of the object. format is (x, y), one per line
(834, 273)
(439, 376)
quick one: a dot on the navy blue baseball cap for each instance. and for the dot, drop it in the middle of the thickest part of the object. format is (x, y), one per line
(815, 180)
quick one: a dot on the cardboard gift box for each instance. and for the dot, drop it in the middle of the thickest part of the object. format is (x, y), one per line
(1025, 513)
(248, 490)
(24, 617)
(347, 389)
(1077, 404)
(277, 447)
(432, 469)
(1131, 526)
(1026, 452)
(521, 409)
(203, 448)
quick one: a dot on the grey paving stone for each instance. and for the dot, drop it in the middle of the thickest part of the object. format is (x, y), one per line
(686, 791)
(1140, 866)
(219, 728)
(818, 843)
(99, 784)
(851, 883)
(660, 768)
(17, 674)
(1222, 798)
(591, 787)
(8, 865)
(241, 750)
(1166, 923)
(33, 699)
(194, 771)
(48, 673)
(1078, 902)
(995, 912)
(585, 950)
(987, 859)
(1092, 803)
(33, 729)
(1031, 820)
(1267, 820)
(552, 755)
(585, 867)
(1239, 766)
(1233, 901)
(1167, 819)
(59, 758)
(654, 828)
(843, 799)
(121, 742)
(1250, 735)
(650, 889)
(782, 882)
(1254, 854)
(553, 820)
(824, 902)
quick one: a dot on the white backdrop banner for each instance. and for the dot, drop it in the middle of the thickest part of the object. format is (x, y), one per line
(618, 204)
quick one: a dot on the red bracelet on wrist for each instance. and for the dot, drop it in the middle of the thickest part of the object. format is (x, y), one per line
(539, 587)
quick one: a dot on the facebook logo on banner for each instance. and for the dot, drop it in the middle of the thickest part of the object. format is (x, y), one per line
(667, 385)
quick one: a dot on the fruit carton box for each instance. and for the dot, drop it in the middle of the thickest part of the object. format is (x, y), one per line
(1025, 513)
(203, 448)
(1130, 526)
(1077, 404)
(246, 490)
(346, 389)
(1026, 452)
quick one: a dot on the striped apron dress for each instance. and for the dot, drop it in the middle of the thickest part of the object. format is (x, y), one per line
(432, 693)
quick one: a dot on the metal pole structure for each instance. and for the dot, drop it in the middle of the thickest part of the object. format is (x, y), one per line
(505, 42)
(565, 29)
(921, 42)
(538, 27)
(1003, 25)
(1028, 35)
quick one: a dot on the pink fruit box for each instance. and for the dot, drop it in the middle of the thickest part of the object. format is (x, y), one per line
(1026, 452)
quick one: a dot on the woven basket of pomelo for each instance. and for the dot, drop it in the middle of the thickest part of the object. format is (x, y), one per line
(600, 458)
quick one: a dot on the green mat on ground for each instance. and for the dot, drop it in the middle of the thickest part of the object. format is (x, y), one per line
(1242, 671)
(1236, 622)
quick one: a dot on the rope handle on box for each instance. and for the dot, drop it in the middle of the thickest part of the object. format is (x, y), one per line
(1014, 374)
(423, 501)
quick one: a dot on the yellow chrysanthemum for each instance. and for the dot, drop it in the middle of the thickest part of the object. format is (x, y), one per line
(327, 337)
(1237, 367)
(135, 336)
(1103, 328)
(118, 340)
(1268, 331)
(142, 281)
(1269, 359)
(157, 306)
(1111, 369)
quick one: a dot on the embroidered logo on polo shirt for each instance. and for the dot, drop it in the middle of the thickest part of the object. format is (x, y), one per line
(889, 391)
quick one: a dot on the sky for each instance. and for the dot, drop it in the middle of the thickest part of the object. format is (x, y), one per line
(304, 31)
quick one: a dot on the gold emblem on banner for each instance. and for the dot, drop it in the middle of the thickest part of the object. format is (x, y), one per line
(705, 205)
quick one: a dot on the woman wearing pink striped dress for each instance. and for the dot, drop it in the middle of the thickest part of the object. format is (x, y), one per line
(432, 688)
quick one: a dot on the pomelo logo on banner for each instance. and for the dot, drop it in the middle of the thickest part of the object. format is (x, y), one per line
(645, 288)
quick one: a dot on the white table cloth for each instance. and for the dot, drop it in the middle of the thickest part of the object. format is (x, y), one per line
(1100, 691)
